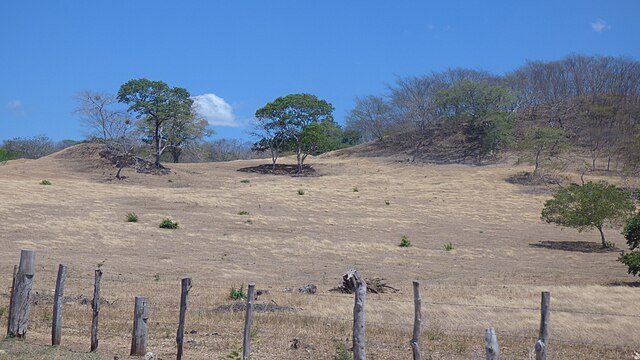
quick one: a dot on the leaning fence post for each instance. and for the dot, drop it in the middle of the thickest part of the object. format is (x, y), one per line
(417, 321)
(13, 285)
(186, 286)
(358, 317)
(95, 305)
(140, 317)
(21, 297)
(56, 326)
(246, 342)
(543, 338)
(491, 344)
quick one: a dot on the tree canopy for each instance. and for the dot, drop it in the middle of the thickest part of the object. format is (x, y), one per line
(295, 121)
(155, 104)
(593, 205)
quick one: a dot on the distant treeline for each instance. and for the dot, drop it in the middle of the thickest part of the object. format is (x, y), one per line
(41, 145)
(594, 100)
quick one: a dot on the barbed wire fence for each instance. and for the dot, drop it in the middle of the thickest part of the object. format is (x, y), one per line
(17, 318)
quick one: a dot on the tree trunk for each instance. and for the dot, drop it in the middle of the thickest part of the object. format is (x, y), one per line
(175, 154)
(604, 242)
(535, 170)
(299, 158)
(157, 141)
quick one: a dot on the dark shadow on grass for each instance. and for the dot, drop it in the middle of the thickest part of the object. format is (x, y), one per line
(625, 283)
(577, 246)
(281, 169)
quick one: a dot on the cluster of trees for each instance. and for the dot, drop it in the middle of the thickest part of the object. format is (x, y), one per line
(31, 147)
(156, 114)
(301, 124)
(592, 101)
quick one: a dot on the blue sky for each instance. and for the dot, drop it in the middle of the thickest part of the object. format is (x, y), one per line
(239, 55)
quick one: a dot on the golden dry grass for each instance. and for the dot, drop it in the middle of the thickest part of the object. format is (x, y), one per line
(492, 277)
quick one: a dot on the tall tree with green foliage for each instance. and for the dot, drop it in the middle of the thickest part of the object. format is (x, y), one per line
(155, 103)
(289, 116)
(484, 110)
(542, 143)
(593, 205)
(631, 233)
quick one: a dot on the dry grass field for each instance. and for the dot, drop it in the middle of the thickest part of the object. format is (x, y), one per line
(492, 277)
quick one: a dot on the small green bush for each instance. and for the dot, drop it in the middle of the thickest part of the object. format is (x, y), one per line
(132, 217)
(448, 246)
(404, 241)
(342, 351)
(233, 355)
(237, 293)
(243, 212)
(168, 224)
(355, 189)
(300, 192)
(387, 202)
(245, 181)
(156, 277)
(45, 182)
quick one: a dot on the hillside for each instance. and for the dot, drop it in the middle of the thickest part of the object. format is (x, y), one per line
(352, 215)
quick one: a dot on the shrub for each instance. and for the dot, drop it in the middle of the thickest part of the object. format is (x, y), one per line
(300, 192)
(168, 224)
(233, 355)
(355, 189)
(631, 233)
(45, 182)
(156, 277)
(243, 212)
(245, 181)
(387, 202)
(448, 246)
(342, 351)
(237, 293)
(132, 217)
(404, 241)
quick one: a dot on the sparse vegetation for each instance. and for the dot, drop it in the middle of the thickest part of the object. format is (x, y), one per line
(243, 212)
(448, 246)
(342, 352)
(387, 202)
(233, 355)
(237, 293)
(168, 224)
(132, 217)
(156, 277)
(300, 192)
(355, 189)
(404, 241)
(245, 181)
(45, 182)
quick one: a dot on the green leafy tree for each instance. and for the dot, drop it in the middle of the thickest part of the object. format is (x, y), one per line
(290, 115)
(156, 104)
(184, 132)
(543, 143)
(484, 111)
(631, 233)
(589, 206)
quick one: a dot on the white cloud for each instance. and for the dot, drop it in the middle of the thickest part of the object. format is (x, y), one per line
(600, 25)
(217, 111)
(15, 107)
(431, 27)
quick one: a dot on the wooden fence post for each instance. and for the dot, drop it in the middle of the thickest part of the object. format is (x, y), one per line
(95, 305)
(21, 297)
(56, 326)
(246, 342)
(140, 317)
(358, 317)
(186, 286)
(417, 321)
(491, 344)
(13, 285)
(543, 338)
